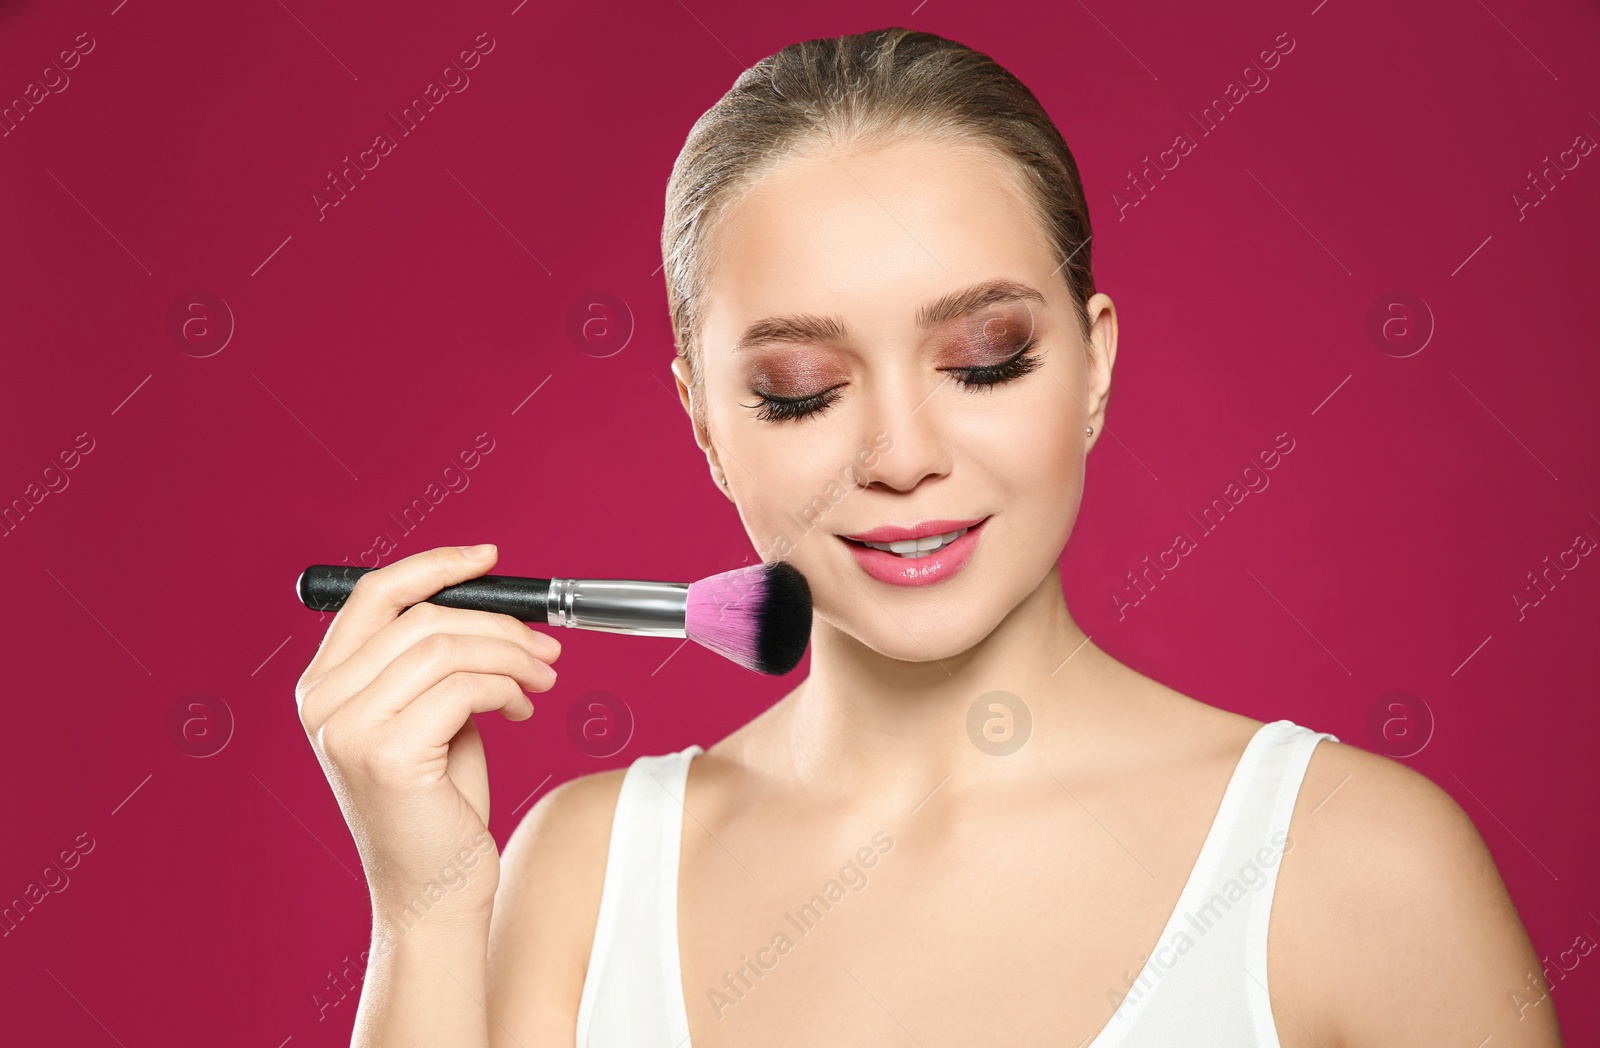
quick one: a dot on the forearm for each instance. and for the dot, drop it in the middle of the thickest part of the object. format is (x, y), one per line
(425, 984)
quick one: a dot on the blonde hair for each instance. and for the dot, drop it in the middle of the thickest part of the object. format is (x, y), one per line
(861, 89)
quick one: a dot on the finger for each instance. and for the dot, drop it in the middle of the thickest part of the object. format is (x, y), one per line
(415, 623)
(383, 593)
(439, 713)
(400, 745)
(435, 657)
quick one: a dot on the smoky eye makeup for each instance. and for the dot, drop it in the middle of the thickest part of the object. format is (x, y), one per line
(793, 386)
(978, 353)
(792, 374)
(987, 340)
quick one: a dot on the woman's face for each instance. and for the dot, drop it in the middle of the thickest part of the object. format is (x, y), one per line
(888, 341)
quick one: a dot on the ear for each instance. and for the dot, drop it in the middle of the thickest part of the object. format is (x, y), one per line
(681, 376)
(1102, 357)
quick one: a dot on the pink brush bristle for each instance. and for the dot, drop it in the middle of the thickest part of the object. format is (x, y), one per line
(759, 616)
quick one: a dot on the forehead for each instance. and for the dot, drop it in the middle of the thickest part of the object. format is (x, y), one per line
(871, 235)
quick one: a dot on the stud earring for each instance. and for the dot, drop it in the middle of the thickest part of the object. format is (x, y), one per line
(1088, 431)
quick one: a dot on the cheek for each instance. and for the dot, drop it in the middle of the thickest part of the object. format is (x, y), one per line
(1032, 455)
(1057, 464)
(1061, 450)
(1026, 443)
(790, 489)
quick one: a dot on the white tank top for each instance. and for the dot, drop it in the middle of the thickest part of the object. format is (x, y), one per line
(1208, 971)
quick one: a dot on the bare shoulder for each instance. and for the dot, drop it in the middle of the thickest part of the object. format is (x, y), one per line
(1391, 924)
(551, 875)
(1355, 801)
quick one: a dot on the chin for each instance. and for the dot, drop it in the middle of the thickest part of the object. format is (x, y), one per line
(943, 644)
(883, 635)
(930, 627)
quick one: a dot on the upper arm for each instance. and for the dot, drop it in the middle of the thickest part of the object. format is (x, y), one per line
(1406, 932)
(543, 922)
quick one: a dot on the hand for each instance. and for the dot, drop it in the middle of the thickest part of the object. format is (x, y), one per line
(387, 703)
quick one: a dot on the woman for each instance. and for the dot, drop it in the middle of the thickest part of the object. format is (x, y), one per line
(968, 823)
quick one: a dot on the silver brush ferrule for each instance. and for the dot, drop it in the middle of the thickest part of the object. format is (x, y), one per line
(647, 609)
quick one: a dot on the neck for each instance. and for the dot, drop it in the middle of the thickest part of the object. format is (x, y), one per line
(866, 726)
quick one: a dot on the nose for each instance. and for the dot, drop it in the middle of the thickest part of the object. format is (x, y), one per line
(903, 419)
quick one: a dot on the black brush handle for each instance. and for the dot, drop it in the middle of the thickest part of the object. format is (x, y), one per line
(325, 587)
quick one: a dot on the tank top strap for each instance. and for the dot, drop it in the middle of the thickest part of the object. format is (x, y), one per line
(1209, 969)
(633, 980)
(1261, 839)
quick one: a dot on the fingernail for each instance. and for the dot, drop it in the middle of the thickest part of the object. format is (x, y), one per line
(480, 551)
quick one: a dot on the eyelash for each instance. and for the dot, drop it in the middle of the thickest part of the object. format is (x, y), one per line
(975, 379)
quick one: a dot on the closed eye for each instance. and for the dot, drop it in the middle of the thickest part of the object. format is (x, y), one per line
(973, 378)
(780, 409)
(983, 376)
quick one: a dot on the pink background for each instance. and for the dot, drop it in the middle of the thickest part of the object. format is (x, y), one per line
(1433, 468)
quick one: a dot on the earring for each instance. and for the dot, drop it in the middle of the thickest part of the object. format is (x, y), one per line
(1089, 431)
(724, 481)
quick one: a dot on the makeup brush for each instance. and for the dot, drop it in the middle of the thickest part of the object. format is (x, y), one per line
(758, 616)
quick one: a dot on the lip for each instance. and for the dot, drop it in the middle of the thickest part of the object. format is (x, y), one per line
(896, 533)
(923, 571)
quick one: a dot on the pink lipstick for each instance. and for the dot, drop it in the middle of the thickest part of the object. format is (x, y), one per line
(916, 555)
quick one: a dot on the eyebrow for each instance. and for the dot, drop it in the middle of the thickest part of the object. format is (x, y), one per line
(811, 327)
